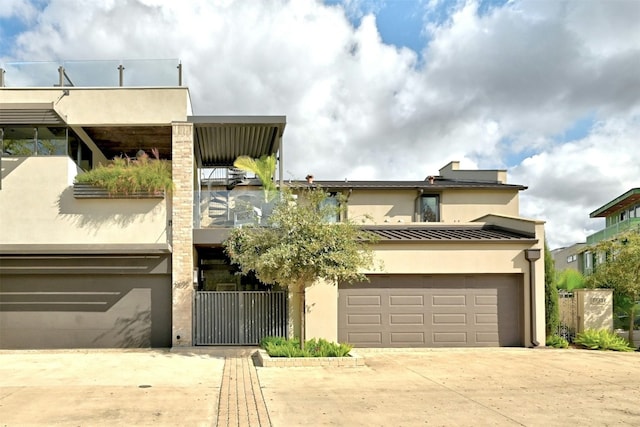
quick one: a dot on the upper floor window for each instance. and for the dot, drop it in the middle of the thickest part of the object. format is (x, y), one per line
(430, 208)
(27, 141)
(34, 141)
(571, 258)
(333, 201)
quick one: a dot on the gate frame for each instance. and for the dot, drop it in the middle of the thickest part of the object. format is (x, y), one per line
(273, 322)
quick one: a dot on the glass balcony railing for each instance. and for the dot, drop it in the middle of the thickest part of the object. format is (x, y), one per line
(612, 230)
(98, 73)
(231, 208)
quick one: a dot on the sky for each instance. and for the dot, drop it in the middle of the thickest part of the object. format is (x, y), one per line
(394, 89)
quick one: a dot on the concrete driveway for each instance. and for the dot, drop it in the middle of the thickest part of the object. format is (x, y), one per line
(542, 387)
(108, 387)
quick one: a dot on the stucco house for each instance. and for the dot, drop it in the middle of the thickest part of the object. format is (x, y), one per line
(80, 267)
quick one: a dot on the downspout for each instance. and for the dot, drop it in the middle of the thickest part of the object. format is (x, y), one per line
(281, 164)
(532, 255)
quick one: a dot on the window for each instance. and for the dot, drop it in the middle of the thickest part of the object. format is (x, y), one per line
(45, 141)
(588, 261)
(334, 202)
(623, 216)
(571, 258)
(430, 208)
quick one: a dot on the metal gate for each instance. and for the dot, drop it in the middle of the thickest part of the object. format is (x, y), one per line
(239, 318)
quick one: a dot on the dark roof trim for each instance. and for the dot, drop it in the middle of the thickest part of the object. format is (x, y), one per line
(452, 234)
(619, 203)
(42, 113)
(85, 249)
(438, 184)
(234, 120)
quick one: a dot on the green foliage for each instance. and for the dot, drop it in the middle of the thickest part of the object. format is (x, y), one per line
(281, 347)
(551, 309)
(602, 340)
(556, 341)
(298, 247)
(620, 272)
(264, 168)
(124, 175)
(571, 279)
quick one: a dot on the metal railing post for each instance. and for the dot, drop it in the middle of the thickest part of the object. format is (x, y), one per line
(61, 76)
(180, 74)
(121, 74)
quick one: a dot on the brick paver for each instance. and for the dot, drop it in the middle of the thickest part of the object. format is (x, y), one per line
(241, 402)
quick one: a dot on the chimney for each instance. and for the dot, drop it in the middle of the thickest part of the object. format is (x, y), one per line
(309, 179)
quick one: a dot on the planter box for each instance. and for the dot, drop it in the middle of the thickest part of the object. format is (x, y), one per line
(267, 361)
(88, 191)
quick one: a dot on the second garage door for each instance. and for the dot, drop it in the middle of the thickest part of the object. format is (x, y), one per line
(432, 311)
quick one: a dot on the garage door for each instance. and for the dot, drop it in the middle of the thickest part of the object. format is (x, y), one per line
(432, 311)
(54, 303)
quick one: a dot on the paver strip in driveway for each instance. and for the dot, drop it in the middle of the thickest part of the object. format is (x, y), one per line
(461, 387)
(241, 402)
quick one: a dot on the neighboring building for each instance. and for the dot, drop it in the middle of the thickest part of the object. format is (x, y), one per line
(82, 268)
(621, 214)
(568, 257)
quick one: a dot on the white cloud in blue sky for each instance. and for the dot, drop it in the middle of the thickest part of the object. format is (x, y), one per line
(382, 89)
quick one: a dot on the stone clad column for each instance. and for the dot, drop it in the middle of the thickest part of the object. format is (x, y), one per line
(181, 234)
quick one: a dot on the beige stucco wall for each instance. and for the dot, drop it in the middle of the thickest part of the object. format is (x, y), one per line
(105, 106)
(382, 206)
(37, 207)
(322, 311)
(456, 206)
(452, 171)
(466, 205)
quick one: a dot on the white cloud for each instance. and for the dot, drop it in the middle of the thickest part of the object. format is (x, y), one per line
(490, 88)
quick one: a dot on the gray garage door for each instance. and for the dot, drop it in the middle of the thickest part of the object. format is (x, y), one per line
(432, 311)
(54, 303)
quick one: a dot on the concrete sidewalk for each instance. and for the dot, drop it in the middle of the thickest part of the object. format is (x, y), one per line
(222, 387)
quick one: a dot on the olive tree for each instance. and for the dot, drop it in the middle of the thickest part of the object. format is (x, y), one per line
(298, 247)
(621, 272)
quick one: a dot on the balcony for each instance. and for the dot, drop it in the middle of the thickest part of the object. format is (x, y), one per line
(612, 230)
(231, 208)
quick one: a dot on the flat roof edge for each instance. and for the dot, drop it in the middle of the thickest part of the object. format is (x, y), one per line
(221, 120)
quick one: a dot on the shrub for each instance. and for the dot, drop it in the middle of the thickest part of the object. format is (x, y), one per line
(602, 340)
(282, 347)
(556, 341)
(124, 175)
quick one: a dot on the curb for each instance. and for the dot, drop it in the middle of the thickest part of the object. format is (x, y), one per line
(266, 361)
